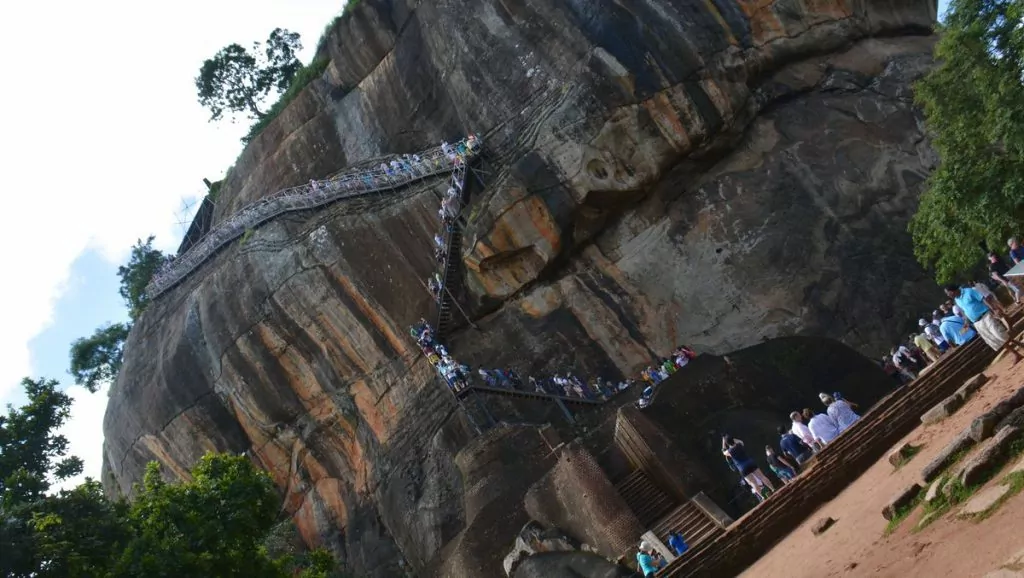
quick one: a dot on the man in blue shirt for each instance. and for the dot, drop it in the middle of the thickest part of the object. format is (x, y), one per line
(984, 320)
(676, 542)
(951, 327)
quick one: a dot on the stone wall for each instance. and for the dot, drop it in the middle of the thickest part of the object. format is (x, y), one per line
(577, 498)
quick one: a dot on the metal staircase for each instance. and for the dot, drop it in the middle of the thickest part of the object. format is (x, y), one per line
(431, 163)
(528, 395)
(453, 255)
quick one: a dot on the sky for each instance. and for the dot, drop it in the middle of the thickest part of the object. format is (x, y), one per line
(103, 144)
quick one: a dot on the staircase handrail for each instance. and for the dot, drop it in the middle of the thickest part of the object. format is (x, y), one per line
(459, 180)
(433, 161)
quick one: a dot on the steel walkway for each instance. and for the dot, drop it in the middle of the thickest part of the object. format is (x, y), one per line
(352, 184)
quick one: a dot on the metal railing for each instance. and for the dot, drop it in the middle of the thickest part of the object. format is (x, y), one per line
(393, 174)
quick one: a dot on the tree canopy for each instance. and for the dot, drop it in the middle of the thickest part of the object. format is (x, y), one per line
(974, 105)
(143, 263)
(237, 80)
(97, 359)
(214, 524)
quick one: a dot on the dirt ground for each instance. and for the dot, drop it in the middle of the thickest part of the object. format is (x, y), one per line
(857, 545)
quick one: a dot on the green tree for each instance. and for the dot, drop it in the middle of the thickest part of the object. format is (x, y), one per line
(77, 532)
(238, 81)
(143, 263)
(974, 106)
(214, 524)
(97, 359)
(32, 457)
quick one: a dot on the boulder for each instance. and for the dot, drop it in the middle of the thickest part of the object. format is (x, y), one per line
(983, 426)
(945, 457)
(983, 500)
(934, 491)
(988, 457)
(900, 501)
(533, 538)
(569, 565)
(901, 454)
(822, 526)
(971, 386)
(944, 409)
(1014, 419)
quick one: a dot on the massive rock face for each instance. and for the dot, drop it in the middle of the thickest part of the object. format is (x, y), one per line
(714, 172)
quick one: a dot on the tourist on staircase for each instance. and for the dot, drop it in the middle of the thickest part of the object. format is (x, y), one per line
(677, 543)
(648, 560)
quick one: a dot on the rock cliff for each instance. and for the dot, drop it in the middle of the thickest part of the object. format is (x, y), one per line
(709, 172)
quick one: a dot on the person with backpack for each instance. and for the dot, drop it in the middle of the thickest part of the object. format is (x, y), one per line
(648, 560)
(792, 446)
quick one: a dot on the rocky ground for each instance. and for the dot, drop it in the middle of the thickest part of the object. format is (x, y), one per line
(955, 543)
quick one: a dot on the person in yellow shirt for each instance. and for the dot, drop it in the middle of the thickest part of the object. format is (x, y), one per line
(927, 346)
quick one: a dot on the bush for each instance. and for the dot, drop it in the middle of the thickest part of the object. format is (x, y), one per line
(303, 77)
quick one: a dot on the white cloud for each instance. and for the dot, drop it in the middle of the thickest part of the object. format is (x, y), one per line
(103, 135)
(83, 430)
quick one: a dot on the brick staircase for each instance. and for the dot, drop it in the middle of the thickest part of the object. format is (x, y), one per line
(692, 523)
(839, 464)
(646, 499)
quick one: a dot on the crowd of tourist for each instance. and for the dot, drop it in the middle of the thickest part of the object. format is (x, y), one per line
(805, 436)
(971, 310)
(451, 208)
(459, 376)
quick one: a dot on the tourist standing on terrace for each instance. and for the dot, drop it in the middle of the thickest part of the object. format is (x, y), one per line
(733, 449)
(791, 445)
(955, 330)
(1016, 251)
(782, 469)
(997, 270)
(839, 410)
(803, 432)
(933, 332)
(992, 330)
(927, 346)
(822, 427)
